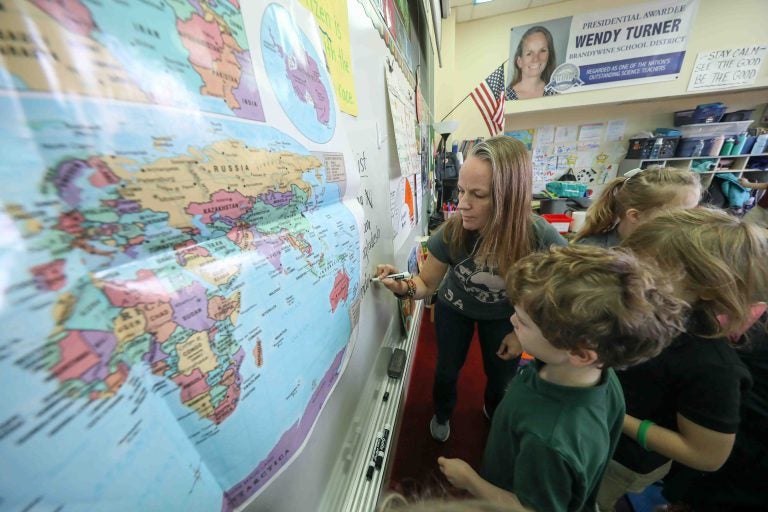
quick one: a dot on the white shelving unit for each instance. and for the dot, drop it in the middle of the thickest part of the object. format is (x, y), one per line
(738, 164)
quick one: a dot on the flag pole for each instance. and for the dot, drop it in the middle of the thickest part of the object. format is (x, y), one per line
(467, 96)
(454, 108)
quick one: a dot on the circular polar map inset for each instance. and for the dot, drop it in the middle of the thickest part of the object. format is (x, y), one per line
(297, 75)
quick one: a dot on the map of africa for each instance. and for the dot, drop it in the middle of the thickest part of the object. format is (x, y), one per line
(179, 291)
(297, 75)
(186, 54)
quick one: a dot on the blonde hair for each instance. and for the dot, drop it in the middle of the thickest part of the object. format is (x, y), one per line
(507, 236)
(399, 503)
(718, 258)
(647, 190)
(606, 300)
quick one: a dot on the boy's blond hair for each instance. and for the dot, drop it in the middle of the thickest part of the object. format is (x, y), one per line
(717, 258)
(647, 190)
(584, 297)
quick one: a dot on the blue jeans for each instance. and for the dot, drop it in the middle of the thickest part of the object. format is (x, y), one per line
(454, 333)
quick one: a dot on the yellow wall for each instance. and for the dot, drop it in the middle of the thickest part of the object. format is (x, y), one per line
(443, 78)
(478, 47)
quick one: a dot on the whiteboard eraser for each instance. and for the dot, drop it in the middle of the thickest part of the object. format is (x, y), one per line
(396, 363)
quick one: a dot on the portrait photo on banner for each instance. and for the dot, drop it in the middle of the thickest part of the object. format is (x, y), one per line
(535, 50)
(627, 45)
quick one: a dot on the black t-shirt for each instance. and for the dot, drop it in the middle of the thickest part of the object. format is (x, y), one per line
(702, 379)
(740, 485)
(477, 291)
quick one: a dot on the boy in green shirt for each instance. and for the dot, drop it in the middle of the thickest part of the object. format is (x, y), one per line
(579, 311)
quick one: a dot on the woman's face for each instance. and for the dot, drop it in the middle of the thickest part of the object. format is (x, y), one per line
(534, 57)
(475, 200)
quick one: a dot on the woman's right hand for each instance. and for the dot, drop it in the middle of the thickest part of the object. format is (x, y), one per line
(396, 287)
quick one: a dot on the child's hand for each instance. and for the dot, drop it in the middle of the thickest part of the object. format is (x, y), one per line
(458, 472)
(744, 182)
(510, 347)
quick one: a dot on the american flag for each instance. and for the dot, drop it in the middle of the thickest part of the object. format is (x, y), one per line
(489, 98)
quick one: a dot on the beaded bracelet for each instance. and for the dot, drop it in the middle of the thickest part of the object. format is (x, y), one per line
(410, 292)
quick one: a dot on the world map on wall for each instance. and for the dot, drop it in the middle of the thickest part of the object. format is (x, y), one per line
(186, 54)
(298, 78)
(178, 287)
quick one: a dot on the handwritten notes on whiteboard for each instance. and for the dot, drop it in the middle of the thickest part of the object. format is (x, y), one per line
(733, 67)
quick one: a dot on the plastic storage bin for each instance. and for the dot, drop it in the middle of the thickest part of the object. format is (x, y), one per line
(712, 130)
(739, 115)
(558, 205)
(641, 149)
(559, 221)
(707, 113)
(567, 188)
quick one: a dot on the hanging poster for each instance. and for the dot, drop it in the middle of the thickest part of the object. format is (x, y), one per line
(403, 109)
(402, 205)
(628, 45)
(333, 23)
(524, 136)
(724, 68)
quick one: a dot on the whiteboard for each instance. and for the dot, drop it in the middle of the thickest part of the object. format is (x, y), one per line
(371, 136)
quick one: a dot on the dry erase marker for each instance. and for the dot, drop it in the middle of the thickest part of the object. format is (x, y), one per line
(382, 447)
(381, 444)
(372, 463)
(397, 277)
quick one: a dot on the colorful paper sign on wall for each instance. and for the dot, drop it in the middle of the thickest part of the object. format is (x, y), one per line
(333, 22)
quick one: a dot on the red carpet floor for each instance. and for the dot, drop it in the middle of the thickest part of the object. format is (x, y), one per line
(415, 470)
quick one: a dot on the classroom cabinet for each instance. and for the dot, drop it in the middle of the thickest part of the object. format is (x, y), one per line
(707, 166)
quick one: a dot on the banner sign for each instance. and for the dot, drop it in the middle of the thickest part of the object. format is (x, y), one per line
(628, 45)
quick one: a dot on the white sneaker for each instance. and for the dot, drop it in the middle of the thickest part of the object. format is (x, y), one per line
(439, 431)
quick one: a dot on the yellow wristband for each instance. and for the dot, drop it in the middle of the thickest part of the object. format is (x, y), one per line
(642, 431)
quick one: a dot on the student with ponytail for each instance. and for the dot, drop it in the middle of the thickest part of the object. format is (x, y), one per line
(639, 195)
